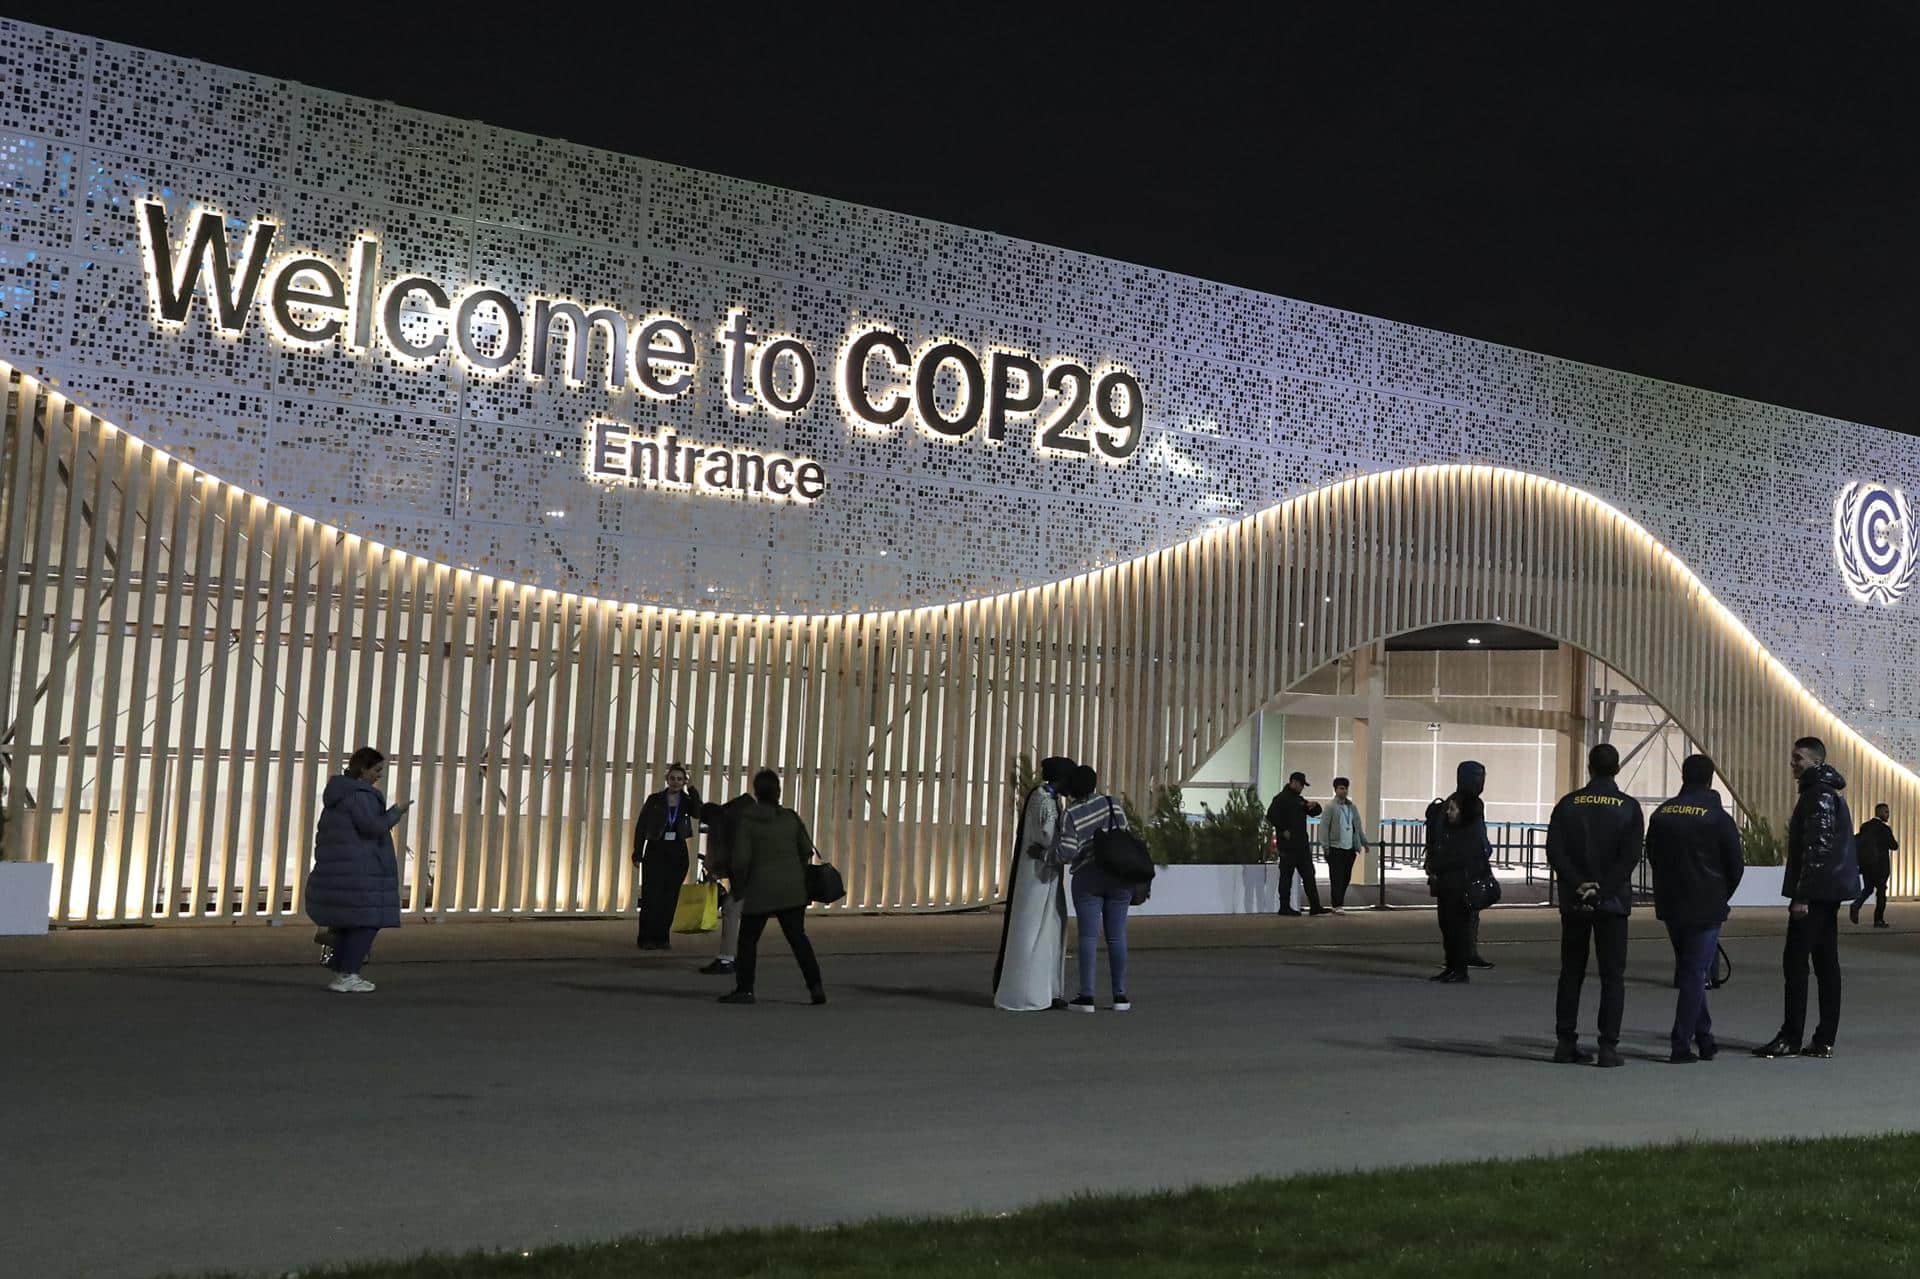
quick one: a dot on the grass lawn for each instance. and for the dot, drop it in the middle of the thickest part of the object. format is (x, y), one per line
(1766, 1208)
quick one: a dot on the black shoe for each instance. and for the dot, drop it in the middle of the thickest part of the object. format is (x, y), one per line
(1122, 1003)
(1822, 1051)
(1477, 962)
(1681, 1057)
(1287, 911)
(1608, 1057)
(818, 994)
(1454, 977)
(1777, 1047)
(1853, 913)
(1320, 910)
(719, 966)
(1569, 1054)
(1880, 923)
(1707, 1049)
(1084, 1004)
(737, 997)
(1441, 975)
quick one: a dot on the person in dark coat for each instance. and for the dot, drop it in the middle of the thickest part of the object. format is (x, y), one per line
(1594, 840)
(768, 862)
(716, 855)
(1288, 814)
(660, 838)
(1694, 850)
(1876, 846)
(1457, 854)
(1823, 870)
(354, 886)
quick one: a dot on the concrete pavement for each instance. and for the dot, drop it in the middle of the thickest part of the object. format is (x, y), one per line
(191, 1098)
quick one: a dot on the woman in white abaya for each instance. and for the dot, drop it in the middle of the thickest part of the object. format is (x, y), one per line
(1030, 974)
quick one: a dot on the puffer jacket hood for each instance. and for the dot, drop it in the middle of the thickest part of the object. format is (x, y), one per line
(1823, 775)
(1470, 778)
(1822, 863)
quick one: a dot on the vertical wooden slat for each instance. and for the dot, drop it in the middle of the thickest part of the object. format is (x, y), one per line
(126, 698)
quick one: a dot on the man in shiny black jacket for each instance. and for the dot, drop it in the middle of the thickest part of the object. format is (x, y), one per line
(1593, 844)
(1823, 870)
(1694, 849)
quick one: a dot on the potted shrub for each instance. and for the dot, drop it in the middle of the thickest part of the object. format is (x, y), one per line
(1217, 865)
(1766, 855)
(26, 888)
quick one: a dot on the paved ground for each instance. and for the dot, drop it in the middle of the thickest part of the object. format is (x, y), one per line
(179, 1099)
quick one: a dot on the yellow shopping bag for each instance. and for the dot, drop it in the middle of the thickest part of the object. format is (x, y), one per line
(699, 908)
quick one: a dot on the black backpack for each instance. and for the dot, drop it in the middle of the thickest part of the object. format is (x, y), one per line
(1121, 853)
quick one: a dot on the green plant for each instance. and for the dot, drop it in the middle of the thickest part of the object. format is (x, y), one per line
(1165, 828)
(1761, 844)
(1235, 835)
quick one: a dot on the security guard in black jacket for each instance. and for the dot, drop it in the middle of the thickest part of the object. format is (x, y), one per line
(1288, 814)
(1694, 850)
(1593, 844)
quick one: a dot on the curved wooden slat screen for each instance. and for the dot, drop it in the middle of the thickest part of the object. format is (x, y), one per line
(185, 662)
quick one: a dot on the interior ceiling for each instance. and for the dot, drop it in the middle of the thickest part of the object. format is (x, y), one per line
(1468, 636)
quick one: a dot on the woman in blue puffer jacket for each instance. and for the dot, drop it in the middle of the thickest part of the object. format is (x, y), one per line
(354, 887)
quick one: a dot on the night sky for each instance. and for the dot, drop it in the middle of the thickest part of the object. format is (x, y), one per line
(1728, 206)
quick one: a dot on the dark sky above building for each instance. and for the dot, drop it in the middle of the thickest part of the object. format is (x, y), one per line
(1717, 195)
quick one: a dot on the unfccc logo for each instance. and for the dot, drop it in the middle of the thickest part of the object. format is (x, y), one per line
(1873, 542)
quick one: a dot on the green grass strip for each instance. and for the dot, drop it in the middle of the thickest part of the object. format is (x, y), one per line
(1747, 1208)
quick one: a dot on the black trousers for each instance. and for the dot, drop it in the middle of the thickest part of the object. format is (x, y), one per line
(1606, 936)
(1456, 924)
(793, 923)
(1815, 937)
(663, 868)
(1339, 875)
(1301, 863)
(1878, 891)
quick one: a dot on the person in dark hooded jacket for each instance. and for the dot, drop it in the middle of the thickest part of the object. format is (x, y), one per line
(1822, 870)
(1694, 850)
(1593, 843)
(1457, 854)
(1875, 846)
(354, 886)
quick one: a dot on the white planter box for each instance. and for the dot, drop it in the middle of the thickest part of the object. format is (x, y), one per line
(26, 888)
(1215, 890)
(1760, 886)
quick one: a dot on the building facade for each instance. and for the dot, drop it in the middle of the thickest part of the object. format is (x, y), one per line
(330, 422)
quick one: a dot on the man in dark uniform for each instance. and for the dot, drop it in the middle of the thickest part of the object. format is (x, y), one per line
(1822, 871)
(1288, 814)
(1694, 849)
(1593, 844)
(1876, 846)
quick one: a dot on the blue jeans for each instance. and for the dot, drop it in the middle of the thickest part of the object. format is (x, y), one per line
(1098, 899)
(1693, 950)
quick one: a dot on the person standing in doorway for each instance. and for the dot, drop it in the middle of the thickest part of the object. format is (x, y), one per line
(1288, 814)
(1593, 843)
(354, 886)
(1345, 841)
(1876, 846)
(768, 862)
(1823, 870)
(1694, 850)
(660, 838)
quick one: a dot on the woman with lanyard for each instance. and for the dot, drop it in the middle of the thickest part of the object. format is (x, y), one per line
(667, 823)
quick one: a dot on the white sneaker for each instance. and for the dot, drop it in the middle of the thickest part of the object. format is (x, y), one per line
(1338, 911)
(350, 984)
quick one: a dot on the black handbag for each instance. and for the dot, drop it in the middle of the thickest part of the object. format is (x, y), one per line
(1120, 853)
(824, 883)
(1482, 892)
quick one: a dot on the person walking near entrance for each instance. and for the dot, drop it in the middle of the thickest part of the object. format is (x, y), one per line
(1593, 843)
(1345, 841)
(354, 886)
(1288, 814)
(660, 839)
(1822, 871)
(1694, 850)
(768, 863)
(1876, 846)
(1456, 856)
(716, 855)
